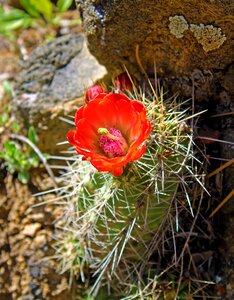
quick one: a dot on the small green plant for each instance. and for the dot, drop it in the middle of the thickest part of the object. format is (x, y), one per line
(34, 11)
(5, 116)
(18, 154)
(45, 8)
(6, 120)
(13, 20)
(18, 159)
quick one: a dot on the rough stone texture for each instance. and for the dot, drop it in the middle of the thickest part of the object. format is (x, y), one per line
(182, 36)
(51, 84)
(26, 239)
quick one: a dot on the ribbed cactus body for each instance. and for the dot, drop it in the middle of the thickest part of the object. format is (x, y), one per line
(132, 213)
(112, 220)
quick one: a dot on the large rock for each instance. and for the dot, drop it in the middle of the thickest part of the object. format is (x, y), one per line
(51, 84)
(186, 39)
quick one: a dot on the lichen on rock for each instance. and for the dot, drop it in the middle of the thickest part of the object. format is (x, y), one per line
(208, 36)
(155, 29)
(178, 25)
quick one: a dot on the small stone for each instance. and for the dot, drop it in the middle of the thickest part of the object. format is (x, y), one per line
(40, 241)
(15, 283)
(27, 297)
(25, 221)
(37, 217)
(13, 228)
(20, 258)
(31, 229)
(35, 272)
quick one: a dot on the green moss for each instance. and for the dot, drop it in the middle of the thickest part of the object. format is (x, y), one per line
(208, 36)
(178, 25)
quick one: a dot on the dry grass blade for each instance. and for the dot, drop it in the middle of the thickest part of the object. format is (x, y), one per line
(227, 164)
(225, 200)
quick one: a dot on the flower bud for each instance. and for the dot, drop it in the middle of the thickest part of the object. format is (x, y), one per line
(123, 82)
(92, 92)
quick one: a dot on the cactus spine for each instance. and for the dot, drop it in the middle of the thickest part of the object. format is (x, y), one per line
(111, 221)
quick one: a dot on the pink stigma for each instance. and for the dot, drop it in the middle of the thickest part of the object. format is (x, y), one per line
(113, 143)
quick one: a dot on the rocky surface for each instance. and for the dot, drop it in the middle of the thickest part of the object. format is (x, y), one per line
(185, 39)
(26, 240)
(51, 84)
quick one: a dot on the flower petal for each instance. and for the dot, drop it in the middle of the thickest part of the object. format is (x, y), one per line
(110, 111)
(70, 137)
(79, 113)
(139, 107)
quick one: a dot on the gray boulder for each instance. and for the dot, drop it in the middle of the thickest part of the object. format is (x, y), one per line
(51, 84)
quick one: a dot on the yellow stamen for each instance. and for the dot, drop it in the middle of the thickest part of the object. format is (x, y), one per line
(104, 131)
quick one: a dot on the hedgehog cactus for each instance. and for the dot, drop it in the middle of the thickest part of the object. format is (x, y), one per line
(120, 192)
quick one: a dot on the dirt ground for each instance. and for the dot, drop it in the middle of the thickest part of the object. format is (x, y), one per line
(26, 239)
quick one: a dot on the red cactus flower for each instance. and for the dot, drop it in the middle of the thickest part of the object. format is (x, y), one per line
(110, 131)
(92, 92)
(123, 82)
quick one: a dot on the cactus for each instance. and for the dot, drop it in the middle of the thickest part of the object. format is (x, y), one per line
(110, 222)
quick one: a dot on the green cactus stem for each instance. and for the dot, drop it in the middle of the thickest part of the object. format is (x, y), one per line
(111, 221)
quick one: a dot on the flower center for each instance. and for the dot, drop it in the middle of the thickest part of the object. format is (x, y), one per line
(112, 142)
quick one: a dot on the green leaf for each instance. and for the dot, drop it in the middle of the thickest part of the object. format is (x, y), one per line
(34, 161)
(15, 127)
(24, 164)
(18, 156)
(4, 118)
(63, 5)
(32, 134)
(24, 176)
(26, 4)
(43, 6)
(2, 155)
(7, 108)
(11, 25)
(11, 167)
(13, 20)
(7, 88)
(10, 148)
(13, 15)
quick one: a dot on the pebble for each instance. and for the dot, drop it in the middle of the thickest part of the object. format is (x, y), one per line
(31, 229)
(35, 271)
(40, 241)
(39, 217)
